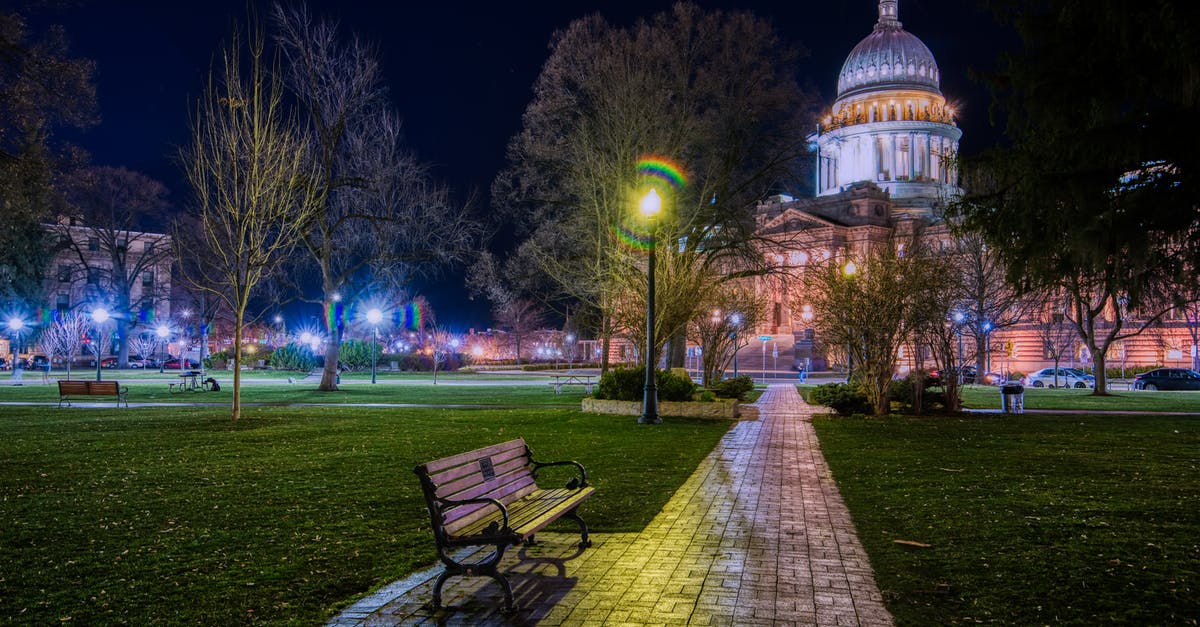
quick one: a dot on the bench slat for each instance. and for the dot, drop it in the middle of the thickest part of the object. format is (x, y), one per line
(439, 465)
(455, 488)
(503, 458)
(464, 514)
(530, 514)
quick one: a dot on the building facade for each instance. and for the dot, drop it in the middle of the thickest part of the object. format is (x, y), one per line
(885, 167)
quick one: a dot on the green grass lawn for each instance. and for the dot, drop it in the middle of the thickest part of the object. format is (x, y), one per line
(983, 397)
(1032, 519)
(152, 515)
(142, 391)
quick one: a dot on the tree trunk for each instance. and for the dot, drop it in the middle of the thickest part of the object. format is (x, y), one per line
(329, 372)
(236, 406)
(677, 350)
(1098, 367)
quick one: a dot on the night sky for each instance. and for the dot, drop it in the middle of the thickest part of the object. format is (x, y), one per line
(460, 74)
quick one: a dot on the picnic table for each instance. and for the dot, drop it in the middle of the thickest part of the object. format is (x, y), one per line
(188, 381)
(586, 380)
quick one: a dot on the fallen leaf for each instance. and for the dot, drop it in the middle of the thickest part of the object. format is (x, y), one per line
(912, 543)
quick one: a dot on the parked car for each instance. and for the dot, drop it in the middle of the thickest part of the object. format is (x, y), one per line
(137, 361)
(173, 364)
(108, 362)
(1060, 377)
(988, 378)
(39, 362)
(1167, 379)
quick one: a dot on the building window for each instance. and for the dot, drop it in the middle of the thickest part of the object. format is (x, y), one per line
(148, 247)
(93, 276)
(93, 243)
(64, 273)
(63, 303)
(148, 280)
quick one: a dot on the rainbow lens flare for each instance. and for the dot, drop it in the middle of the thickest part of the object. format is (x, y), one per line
(652, 169)
(653, 173)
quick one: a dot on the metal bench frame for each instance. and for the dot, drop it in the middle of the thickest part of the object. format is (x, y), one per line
(489, 496)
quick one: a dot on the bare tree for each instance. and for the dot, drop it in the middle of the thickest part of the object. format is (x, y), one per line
(519, 318)
(121, 265)
(863, 304)
(380, 219)
(1055, 331)
(64, 336)
(989, 302)
(250, 179)
(721, 328)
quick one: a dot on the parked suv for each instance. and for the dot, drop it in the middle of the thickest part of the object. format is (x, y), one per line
(1060, 377)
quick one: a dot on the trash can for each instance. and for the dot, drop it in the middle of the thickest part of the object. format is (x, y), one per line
(1012, 397)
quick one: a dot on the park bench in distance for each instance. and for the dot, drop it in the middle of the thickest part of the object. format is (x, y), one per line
(68, 389)
(490, 496)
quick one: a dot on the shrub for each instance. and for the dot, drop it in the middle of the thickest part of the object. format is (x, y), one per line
(293, 357)
(736, 387)
(675, 386)
(841, 398)
(629, 384)
(901, 392)
(622, 384)
(707, 396)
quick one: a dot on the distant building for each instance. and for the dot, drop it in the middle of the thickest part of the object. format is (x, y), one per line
(885, 154)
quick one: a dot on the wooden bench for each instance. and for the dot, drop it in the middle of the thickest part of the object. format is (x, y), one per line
(490, 496)
(69, 388)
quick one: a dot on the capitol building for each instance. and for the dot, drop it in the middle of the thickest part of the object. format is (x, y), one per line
(886, 154)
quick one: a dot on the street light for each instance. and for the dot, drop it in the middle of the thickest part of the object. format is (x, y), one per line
(958, 320)
(850, 271)
(650, 205)
(735, 319)
(987, 340)
(162, 332)
(570, 351)
(99, 316)
(374, 316)
(15, 325)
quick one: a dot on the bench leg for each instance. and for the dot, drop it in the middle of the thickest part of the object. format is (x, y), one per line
(584, 542)
(486, 568)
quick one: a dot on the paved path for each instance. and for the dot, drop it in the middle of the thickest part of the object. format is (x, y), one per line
(758, 535)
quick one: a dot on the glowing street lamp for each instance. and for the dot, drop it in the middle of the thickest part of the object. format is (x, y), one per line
(162, 332)
(959, 317)
(374, 316)
(850, 270)
(735, 319)
(570, 351)
(15, 325)
(650, 205)
(99, 316)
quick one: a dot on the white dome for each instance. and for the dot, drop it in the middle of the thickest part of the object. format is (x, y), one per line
(889, 58)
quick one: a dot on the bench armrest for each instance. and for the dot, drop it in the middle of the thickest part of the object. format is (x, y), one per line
(482, 500)
(577, 482)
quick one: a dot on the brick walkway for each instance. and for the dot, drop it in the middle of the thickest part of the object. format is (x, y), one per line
(758, 535)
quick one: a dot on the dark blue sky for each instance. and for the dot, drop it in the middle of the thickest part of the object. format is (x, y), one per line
(460, 73)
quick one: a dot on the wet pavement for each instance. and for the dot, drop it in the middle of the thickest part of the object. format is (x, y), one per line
(758, 535)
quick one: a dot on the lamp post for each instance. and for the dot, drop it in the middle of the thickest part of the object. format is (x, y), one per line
(987, 340)
(99, 316)
(162, 332)
(15, 325)
(958, 320)
(735, 319)
(374, 316)
(570, 351)
(651, 204)
(850, 271)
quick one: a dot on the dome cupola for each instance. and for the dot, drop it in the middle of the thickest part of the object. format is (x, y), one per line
(889, 58)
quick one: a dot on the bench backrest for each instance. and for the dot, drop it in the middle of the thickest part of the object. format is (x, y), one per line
(72, 387)
(102, 387)
(501, 471)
